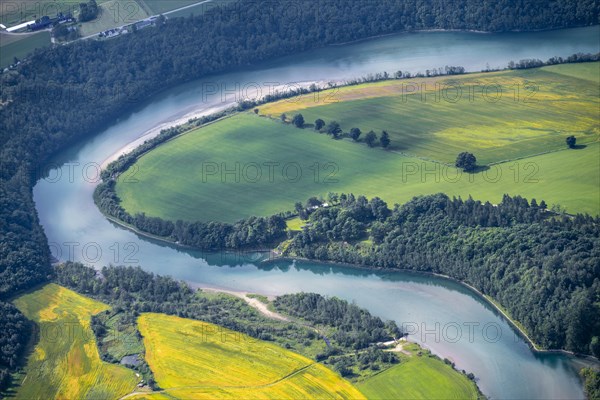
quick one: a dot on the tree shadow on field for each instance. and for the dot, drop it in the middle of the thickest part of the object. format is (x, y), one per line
(579, 147)
(478, 169)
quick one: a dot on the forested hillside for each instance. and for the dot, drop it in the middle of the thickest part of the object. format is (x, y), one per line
(544, 269)
(61, 94)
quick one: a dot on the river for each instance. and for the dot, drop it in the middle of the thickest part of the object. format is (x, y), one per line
(441, 314)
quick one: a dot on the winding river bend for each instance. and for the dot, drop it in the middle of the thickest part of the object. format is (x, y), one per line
(442, 315)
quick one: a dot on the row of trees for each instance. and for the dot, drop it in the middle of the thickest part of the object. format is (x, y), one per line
(47, 99)
(334, 129)
(543, 268)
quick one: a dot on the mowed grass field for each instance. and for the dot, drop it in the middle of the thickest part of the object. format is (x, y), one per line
(419, 377)
(199, 9)
(497, 116)
(222, 172)
(112, 14)
(65, 363)
(161, 6)
(193, 359)
(21, 45)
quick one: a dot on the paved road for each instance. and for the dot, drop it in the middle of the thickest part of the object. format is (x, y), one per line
(157, 15)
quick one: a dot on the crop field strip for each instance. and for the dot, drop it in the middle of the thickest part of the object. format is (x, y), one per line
(207, 361)
(65, 362)
(498, 116)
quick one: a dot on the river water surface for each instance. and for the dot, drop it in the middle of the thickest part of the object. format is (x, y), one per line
(441, 314)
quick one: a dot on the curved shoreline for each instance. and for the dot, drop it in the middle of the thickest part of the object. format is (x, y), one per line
(453, 30)
(486, 299)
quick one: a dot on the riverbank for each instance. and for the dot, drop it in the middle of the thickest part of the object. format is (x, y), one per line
(194, 115)
(520, 328)
(450, 31)
(253, 302)
(275, 256)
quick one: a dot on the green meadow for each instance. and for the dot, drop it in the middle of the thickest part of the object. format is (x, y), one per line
(20, 45)
(419, 377)
(249, 165)
(497, 116)
(113, 14)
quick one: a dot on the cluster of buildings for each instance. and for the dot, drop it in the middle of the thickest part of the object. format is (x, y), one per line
(113, 32)
(126, 29)
(46, 21)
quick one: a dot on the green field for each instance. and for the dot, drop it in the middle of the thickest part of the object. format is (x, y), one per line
(112, 14)
(175, 181)
(193, 359)
(162, 6)
(16, 12)
(437, 124)
(196, 10)
(20, 45)
(419, 377)
(65, 362)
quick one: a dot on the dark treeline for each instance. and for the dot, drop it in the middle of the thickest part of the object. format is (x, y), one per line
(536, 63)
(591, 383)
(253, 232)
(15, 333)
(348, 326)
(354, 326)
(138, 291)
(543, 268)
(62, 93)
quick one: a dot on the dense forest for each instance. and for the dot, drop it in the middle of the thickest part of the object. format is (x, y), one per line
(591, 383)
(542, 267)
(16, 331)
(347, 326)
(63, 93)
(354, 326)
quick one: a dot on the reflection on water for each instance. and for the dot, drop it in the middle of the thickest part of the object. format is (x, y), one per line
(435, 309)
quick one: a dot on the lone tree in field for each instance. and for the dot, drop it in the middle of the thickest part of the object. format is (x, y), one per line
(319, 124)
(333, 129)
(298, 120)
(355, 134)
(571, 140)
(385, 140)
(466, 161)
(371, 139)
